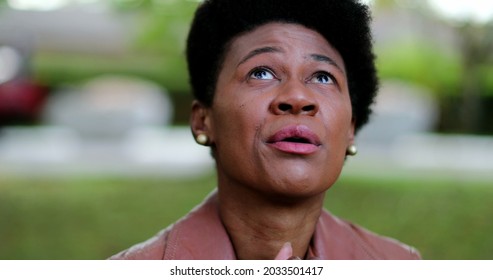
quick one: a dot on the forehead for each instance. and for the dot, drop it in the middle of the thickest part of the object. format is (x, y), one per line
(287, 37)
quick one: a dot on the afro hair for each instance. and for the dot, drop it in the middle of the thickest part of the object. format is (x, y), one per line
(343, 23)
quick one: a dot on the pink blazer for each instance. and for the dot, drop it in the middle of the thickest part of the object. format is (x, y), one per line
(200, 235)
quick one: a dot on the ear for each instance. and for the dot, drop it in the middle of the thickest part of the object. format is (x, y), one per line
(200, 120)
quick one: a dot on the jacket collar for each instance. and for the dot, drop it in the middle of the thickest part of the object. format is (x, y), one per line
(201, 235)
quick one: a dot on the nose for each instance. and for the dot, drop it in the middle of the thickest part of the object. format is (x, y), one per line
(294, 98)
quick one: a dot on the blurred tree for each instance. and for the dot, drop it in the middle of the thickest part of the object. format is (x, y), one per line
(164, 23)
(3, 4)
(410, 55)
(163, 27)
(462, 78)
(159, 29)
(477, 54)
(388, 4)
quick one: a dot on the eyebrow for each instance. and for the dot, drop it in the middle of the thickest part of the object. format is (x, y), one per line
(259, 51)
(323, 58)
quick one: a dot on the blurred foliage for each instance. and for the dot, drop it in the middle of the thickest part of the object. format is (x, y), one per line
(486, 75)
(422, 64)
(93, 218)
(443, 71)
(60, 69)
(163, 26)
(157, 51)
(459, 75)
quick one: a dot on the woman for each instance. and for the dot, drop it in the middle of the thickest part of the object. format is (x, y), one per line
(281, 88)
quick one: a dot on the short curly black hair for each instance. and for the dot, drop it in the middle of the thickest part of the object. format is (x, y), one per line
(343, 23)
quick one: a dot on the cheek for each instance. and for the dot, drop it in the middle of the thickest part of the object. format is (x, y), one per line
(238, 122)
(338, 117)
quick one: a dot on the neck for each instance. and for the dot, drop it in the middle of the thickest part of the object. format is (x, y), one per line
(259, 226)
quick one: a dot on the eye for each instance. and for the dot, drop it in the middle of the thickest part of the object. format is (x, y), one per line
(262, 74)
(322, 78)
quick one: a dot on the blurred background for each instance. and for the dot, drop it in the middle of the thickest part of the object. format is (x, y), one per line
(96, 154)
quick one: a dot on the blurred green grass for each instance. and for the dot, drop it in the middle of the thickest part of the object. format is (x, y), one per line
(93, 218)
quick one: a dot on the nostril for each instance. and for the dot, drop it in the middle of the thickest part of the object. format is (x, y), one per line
(308, 108)
(284, 107)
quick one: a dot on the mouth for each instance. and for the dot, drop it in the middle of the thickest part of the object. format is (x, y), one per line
(297, 139)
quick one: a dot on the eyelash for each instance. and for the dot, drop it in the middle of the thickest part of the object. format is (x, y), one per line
(330, 76)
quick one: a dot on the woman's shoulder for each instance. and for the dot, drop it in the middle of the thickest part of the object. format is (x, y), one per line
(151, 249)
(341, 239)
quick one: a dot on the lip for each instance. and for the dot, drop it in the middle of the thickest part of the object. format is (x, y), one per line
(295, 139)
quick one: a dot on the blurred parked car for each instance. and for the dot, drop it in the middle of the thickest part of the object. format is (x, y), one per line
(21, 99)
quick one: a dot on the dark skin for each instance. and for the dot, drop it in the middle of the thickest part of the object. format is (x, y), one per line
(280, 124)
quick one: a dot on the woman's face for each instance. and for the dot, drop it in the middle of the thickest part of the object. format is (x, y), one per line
(281, 118)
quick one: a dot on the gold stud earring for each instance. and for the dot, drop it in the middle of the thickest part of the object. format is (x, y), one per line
(352, 150)
(202, 139)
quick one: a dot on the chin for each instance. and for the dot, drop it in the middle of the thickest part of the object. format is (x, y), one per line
(299, 180)
(295, 189)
